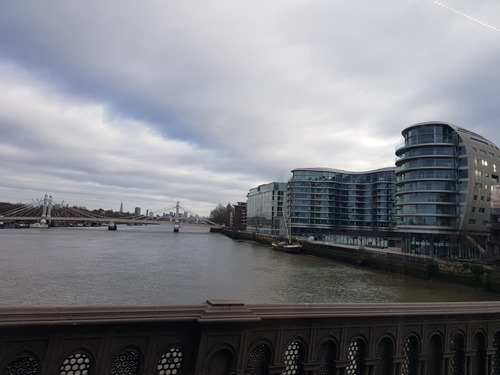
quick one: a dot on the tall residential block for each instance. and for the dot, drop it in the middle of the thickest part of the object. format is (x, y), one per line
(445, 176)
(265, 209)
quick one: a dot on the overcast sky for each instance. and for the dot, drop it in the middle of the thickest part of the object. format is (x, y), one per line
(150, 102)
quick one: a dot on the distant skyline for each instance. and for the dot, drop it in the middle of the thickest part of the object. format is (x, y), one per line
(149, 102)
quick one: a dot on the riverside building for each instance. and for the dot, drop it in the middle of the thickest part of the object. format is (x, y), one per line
(343, 207)
(494, 240)
(265, 208)
(445, 175)
(438, 200)
(239, 216)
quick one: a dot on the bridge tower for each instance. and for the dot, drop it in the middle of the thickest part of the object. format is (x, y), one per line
(176, 223)
(46, 211)
(49, 207)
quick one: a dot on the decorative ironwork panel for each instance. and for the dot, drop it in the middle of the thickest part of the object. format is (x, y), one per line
(326, 358)
(170, 363)
(496, 356)
(457, 359)
(127, 363)
(258, 360)
(384, 352)
(22, 366)
(434, 352)
(221, 363)
(76, 364)
(410, 350)
(479, 359)
(355, 356)
(293, 359)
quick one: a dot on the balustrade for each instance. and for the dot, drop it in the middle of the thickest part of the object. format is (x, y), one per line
(228, 337)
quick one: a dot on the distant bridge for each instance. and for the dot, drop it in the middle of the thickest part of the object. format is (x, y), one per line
(44, 212)
(96, 219)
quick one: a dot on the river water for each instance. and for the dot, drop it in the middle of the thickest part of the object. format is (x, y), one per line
(151, 266)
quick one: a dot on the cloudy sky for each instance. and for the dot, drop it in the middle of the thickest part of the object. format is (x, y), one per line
(150, 102)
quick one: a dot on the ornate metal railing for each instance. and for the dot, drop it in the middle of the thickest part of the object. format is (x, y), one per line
(228, 337)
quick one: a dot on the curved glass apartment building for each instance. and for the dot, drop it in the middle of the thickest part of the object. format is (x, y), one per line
(323, 200)
(444, 177)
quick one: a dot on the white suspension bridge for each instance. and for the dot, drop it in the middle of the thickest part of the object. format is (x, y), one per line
(43, 213)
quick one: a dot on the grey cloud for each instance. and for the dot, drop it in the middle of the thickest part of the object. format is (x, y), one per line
(233, 94)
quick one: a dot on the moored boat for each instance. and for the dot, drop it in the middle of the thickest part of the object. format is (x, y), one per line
(287, 247)
(291, 246)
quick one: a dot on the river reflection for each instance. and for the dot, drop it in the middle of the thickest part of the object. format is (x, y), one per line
(151, 265)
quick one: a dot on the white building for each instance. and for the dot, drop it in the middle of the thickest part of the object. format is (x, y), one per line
(266, 205)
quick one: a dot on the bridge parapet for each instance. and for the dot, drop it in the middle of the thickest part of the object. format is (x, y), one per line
(229, 337)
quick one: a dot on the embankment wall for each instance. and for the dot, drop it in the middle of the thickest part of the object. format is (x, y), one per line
(470, 273)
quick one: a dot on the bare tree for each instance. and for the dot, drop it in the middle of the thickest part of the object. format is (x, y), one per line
(256, 222)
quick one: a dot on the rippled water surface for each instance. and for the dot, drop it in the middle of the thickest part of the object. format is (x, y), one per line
(153, 266)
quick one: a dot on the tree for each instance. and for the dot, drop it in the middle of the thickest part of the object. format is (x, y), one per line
(256, 222)
(222, 214)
